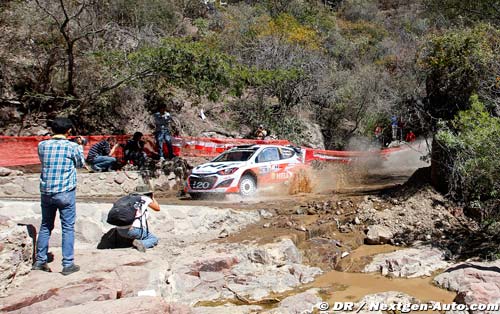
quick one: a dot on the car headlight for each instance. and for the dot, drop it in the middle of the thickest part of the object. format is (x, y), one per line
(227, 171)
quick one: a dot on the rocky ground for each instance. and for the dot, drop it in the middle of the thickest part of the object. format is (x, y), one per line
(269, 255)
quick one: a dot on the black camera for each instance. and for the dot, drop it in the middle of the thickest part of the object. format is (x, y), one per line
(80, 140)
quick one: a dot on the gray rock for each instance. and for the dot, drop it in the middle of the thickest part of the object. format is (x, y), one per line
(258, 256)
(4, 172)
(10, 189)
(378, 234)
(120, 178)
(133, 305)
(475, 282)
(133, 175)
(177, 214)
(31, 186)
(16, 252)
(72, 294)
(408, 263)
(171, 176)
(300, 303)
(88, 231)
(265, 214)
(284, 252)
(209, 276)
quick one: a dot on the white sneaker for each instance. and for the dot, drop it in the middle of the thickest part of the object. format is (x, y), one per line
(162, 159)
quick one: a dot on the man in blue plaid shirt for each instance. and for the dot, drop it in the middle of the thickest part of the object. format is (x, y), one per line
(60, 158)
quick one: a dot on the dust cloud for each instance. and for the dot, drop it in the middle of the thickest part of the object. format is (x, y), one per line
(373, 170)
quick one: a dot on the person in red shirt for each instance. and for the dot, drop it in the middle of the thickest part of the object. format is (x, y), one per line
(410, 137)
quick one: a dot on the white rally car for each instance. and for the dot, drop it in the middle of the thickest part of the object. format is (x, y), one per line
(243, 169)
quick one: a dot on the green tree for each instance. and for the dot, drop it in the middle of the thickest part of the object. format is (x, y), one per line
(463, 12)
(454, 65)
(473, 143)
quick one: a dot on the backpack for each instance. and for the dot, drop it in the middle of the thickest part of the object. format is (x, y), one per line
(124, 209)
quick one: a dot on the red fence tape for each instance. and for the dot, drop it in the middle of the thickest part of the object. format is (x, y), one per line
(22, 150)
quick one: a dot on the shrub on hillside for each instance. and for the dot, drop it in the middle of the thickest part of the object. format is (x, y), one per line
(473, 145)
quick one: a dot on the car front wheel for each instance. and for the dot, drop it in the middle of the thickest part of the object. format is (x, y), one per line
(248, 186)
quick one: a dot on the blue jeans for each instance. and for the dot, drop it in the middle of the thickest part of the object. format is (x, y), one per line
(103, 163)
(164, 137)
(148, 239)
(65, 202)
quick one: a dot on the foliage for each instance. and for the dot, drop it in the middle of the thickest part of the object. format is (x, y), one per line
(473, 142)
(454, 64)
(290, 30)
(156, 14)
(206, 71)
(285, 125)
(356, 10)
(463, 12)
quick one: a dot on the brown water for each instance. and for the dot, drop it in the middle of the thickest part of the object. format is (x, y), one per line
(343, 286)
(346, 286)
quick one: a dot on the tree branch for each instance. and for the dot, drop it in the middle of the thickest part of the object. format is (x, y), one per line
(48, 13)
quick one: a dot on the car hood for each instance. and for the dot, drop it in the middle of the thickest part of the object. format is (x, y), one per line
(213, 167)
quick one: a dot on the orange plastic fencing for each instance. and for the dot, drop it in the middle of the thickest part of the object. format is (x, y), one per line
(22, 150)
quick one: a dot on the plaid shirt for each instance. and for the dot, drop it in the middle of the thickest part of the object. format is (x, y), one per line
(59, 158)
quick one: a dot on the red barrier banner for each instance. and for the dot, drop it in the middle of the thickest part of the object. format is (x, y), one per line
(22, 150)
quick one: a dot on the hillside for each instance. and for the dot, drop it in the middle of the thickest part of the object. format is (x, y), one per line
(302, 68)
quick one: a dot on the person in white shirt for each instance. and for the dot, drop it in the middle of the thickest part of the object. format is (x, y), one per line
(139, 230)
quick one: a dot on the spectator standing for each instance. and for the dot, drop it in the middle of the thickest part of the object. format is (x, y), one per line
(378, 133)
(394, 124)
(162, 120)
(410, 137)
(99, 156)
(139, 230)
(59, 159)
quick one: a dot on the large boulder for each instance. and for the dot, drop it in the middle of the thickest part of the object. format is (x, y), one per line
(475, 282)
(16, 253)
(408, 263)
(378, 234)
(73, 293)
(313, 135)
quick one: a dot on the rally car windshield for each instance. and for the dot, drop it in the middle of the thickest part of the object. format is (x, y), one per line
(237, 155)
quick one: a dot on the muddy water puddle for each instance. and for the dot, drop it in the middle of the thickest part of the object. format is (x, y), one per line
(338, 286)
(343, 286)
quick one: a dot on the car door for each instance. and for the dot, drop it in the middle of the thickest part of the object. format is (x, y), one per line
(281, 168)
(267, 163)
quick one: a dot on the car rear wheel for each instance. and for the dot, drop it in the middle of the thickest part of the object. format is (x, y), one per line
(248, 185)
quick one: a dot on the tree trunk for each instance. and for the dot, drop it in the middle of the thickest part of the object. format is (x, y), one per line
(439, 167)
(70, 89)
